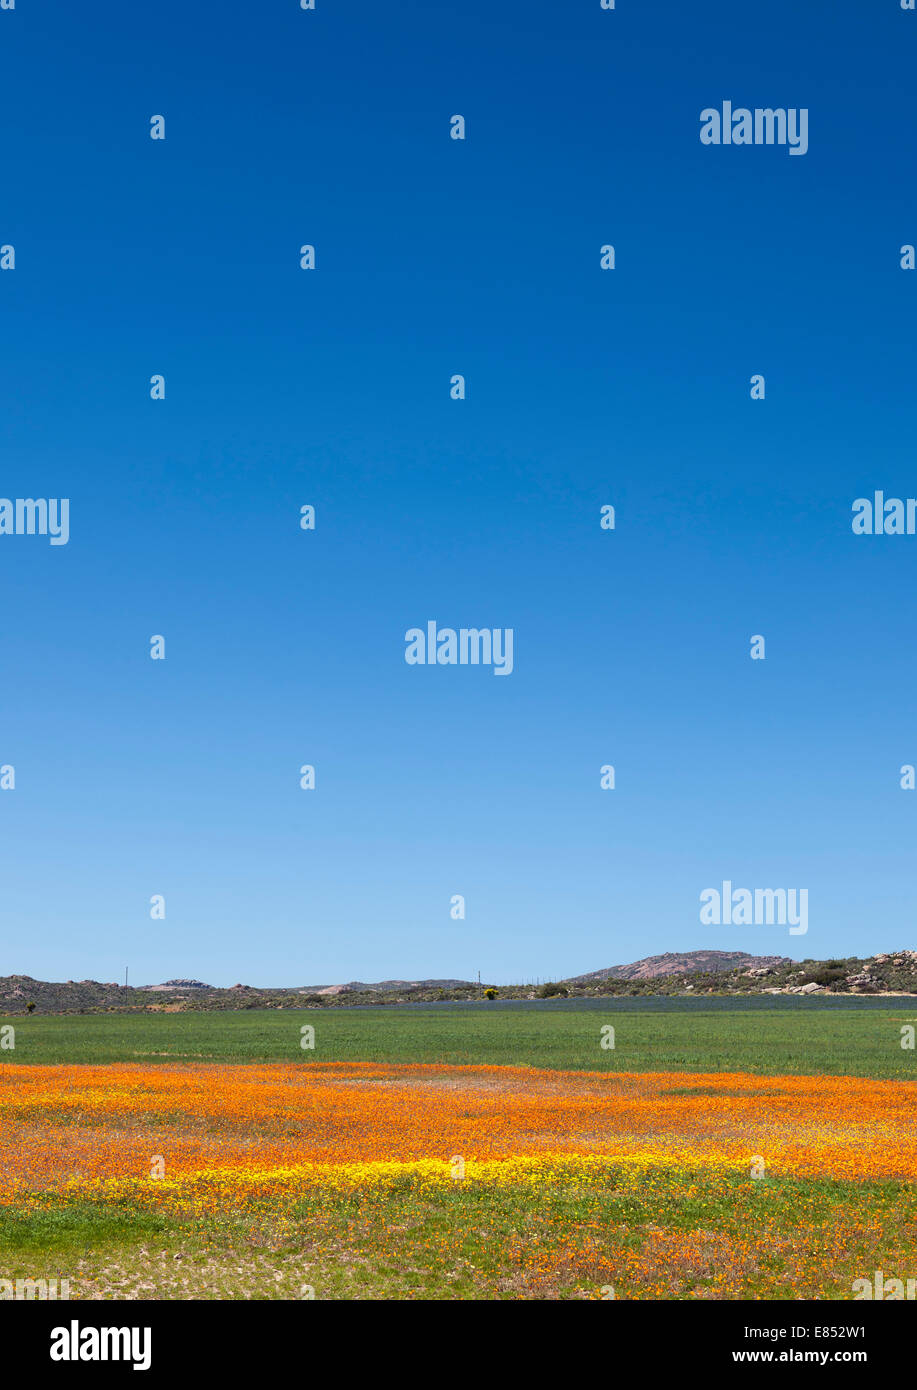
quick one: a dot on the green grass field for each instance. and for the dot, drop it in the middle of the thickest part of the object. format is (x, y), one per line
(657, 1232)
(805, 1039)
(653, 1234)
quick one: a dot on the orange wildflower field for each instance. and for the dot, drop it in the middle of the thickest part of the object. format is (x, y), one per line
(471, 1181)
(246, 1125)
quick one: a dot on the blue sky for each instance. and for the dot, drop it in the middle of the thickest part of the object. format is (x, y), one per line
(331, 387)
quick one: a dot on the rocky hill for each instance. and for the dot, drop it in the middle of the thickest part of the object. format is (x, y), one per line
(675, 973)
(73, 996)
(674, 963)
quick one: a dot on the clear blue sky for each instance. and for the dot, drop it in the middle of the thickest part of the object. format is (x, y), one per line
(331, 387)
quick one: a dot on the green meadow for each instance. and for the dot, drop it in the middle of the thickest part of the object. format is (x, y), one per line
(852, 1037)
(649, 1234)
(636, 1233)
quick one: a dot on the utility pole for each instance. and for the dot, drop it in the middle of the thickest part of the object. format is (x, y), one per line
(125, 977)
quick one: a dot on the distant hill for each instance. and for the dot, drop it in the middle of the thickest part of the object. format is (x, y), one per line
(387, 986)
(381, 987)
(693, 973)
(17, 992)
(677, 963)
(179, 984)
